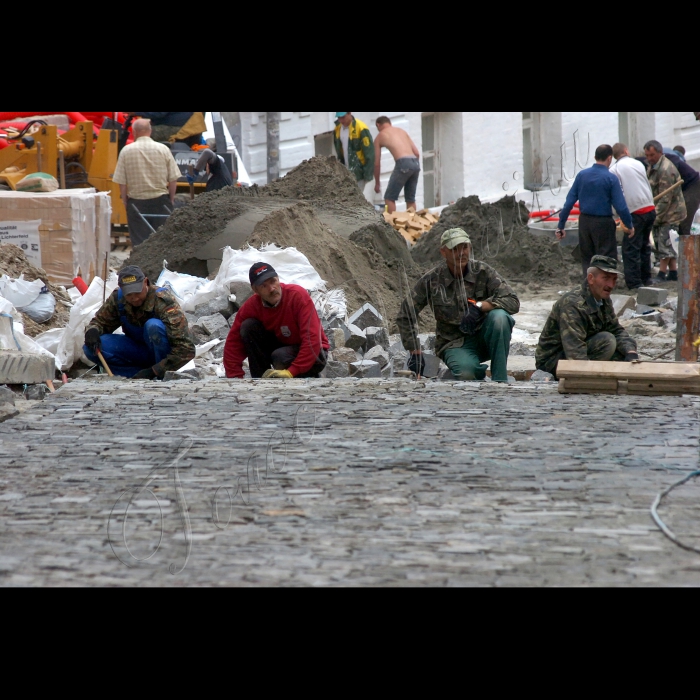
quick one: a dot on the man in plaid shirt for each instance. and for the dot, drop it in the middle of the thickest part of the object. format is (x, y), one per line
(147, 175)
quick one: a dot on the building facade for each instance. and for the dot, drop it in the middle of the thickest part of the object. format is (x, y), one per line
(490, 154)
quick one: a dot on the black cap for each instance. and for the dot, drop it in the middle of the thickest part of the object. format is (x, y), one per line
(131, 280)
(261, 272)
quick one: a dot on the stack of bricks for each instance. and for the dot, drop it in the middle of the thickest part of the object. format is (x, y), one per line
(411, 224)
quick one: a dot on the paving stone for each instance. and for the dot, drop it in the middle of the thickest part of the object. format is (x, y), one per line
(36, 392)
(540, 376)
(242, 291)
(399, 362)
(336, 337)
(377, 336)
(357, 339)
(433, 365)
(221, 305)
(24, 368)
(7, 411)
(211, 325)
(622, 303)
(366, 369)
(378, 354)
(375, 483)
(336, 370)
(652, 296)
(366, 317)
(7, 396)
(345, 355)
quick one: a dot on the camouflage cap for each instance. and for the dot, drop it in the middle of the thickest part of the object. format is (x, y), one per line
(454, 237)
(605, 264)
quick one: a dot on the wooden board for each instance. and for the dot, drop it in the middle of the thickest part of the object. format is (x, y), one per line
(576, 369)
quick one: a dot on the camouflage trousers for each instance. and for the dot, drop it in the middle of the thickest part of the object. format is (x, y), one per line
(600, 348)
(662, 236)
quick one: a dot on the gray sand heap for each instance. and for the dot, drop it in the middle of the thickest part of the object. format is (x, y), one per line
(502, 239)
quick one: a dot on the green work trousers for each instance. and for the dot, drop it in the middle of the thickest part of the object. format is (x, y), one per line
(492, 342)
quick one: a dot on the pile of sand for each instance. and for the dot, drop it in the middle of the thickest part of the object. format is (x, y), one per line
(502, 239)
(317, 208)
(13, 263)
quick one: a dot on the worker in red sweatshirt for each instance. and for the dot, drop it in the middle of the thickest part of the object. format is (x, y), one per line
(278, 330)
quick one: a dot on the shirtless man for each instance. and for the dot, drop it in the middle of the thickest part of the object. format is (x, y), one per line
(407, 159)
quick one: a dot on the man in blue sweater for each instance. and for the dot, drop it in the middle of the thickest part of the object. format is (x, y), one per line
(597, 190)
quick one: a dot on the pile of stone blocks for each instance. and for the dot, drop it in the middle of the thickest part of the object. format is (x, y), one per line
(213, 321)
(362, 348)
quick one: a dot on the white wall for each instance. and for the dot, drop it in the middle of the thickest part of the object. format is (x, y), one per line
(480, 152)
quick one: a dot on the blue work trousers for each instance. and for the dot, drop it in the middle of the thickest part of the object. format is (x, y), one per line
(139, 349)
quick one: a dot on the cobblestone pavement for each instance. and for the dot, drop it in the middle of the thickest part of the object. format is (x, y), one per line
(383, 483)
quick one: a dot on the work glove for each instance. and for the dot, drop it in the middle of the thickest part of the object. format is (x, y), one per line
(147, 374)
(278, 374)
(632, 357)
(416, 364)
(471, 321)
(93, 341)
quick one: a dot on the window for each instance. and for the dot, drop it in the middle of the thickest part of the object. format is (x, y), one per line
(431, 161)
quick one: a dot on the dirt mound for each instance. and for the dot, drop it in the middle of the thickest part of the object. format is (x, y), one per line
(362, 273)
(502, 239)
(13, 263)
(320, 179)
(185, 232)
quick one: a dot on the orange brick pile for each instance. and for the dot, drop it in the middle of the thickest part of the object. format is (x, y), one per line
(410, 224)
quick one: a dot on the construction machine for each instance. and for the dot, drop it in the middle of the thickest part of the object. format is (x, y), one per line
(84, 156)
(76, 158)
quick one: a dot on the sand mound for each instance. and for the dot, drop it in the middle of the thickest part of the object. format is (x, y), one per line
(501, 239)
(193, 239)
(13, 263)
(364, 274)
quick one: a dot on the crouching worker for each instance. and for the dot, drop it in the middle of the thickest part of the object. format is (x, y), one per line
(583, 324)
(474, 309)
(278, 330)
(156, 336)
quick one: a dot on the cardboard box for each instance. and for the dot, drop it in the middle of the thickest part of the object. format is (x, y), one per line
(69, 230)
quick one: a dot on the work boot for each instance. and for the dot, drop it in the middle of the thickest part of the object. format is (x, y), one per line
(673, 276)
(662, 277)
(650, 283)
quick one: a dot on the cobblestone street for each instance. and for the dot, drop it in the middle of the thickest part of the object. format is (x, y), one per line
(366, 483)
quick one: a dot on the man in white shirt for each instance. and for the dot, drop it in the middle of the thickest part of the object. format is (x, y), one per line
(147, 176)
(636, 248)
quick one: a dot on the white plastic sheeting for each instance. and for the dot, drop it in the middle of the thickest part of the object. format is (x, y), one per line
(70, 348)
(12, 331)
(292, 266)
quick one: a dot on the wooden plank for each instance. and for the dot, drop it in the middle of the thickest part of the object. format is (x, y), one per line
(570, 369)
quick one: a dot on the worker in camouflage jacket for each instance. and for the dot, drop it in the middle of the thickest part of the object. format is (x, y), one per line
(583, 324)
(671, 210)
(474, 309)
(156, 338)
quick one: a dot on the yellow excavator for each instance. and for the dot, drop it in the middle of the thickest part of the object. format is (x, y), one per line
(76, 158)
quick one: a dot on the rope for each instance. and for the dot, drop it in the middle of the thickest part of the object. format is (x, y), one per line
(660, 523)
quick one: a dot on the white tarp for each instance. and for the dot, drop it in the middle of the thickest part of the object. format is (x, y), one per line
(292, 266)
(12, 331)
(70, 348)
(243, 176)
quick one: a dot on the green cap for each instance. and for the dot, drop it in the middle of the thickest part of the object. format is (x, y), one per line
(454, 237)
(605, 264)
